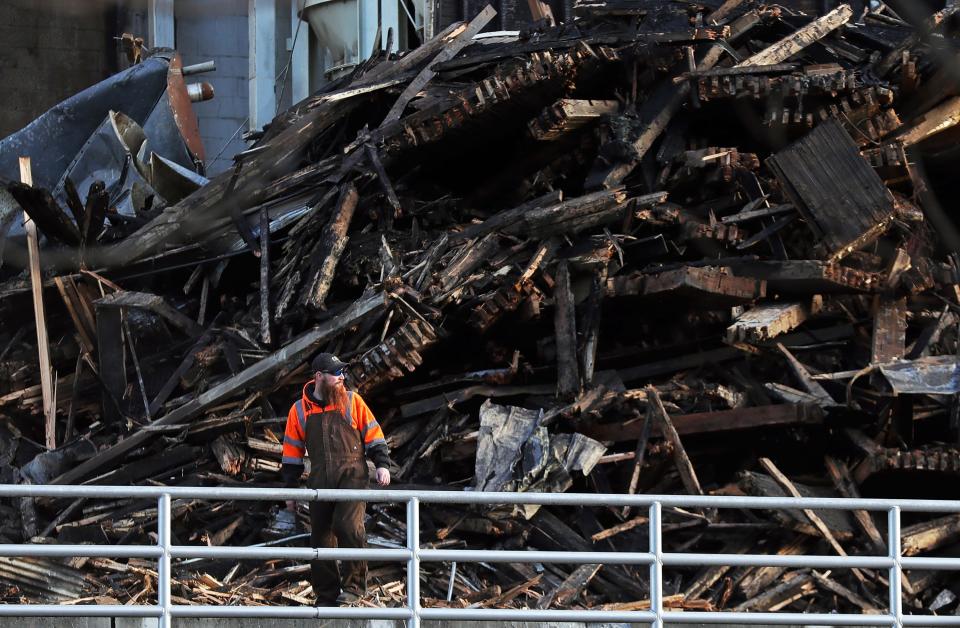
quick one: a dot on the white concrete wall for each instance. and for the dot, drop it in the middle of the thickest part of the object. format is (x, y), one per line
(217, 30)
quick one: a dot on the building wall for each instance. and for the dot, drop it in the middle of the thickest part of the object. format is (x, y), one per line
(49, 50)
(217, 30)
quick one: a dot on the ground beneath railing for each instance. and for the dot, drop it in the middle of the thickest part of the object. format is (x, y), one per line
(121, 622)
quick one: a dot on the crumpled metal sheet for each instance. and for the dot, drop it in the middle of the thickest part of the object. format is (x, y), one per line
(933, 375)
(123, 131)
(503, 431)
(54, 139)
(516, 453)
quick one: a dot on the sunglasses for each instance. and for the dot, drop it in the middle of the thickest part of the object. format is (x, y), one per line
(336, 373)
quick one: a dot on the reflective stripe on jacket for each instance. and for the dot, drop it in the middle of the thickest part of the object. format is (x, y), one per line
(357, 413)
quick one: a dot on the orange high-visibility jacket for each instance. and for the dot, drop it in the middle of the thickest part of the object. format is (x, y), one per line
(359, 415)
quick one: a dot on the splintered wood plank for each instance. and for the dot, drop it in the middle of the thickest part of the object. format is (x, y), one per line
(929, 535)
(70, 298)
(889, 331)
(938, 119)
(842, 479)
(565, 326)
(815, 519)
(568, 115)
(688, 474)
(153, 303)
(639, 454)
(795, 585)
(806, 380)
(713, 287)
(803, 277)
(572, 586)
(769, 320)
(265, 276)
(801, 38)
(448, 52)
(332, 243)
(39, 313)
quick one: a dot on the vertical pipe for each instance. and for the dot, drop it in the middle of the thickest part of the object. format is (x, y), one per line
(262, 61)
(656, 567)
(160, 24)
(413, 565)
(453, 576)
(896, 571)
(300, 63)
(163, 563)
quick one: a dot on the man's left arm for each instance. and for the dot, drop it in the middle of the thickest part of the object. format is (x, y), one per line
(374, 442)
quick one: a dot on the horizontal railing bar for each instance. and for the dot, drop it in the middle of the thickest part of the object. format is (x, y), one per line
(289, 553)
(777, 619)
(531, 614)
(775, 560)
(931, 620)
(292, 612)
(78, 610)
(39, 550)
(532, 556)
(946, 563)
(470, 497)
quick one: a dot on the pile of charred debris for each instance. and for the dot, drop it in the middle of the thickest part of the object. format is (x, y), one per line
(670, 247)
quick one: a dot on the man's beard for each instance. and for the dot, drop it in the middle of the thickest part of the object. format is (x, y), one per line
(335, 394)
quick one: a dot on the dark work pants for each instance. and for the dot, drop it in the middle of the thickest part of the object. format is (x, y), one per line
(337, 524)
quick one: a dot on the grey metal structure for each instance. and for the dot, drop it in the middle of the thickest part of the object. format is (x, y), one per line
(164, 552)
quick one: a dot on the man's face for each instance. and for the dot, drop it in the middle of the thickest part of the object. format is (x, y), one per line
(330, 380)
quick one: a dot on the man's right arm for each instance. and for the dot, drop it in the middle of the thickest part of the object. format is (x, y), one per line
(294, 449)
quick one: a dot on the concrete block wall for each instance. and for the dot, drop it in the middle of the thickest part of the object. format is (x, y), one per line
(217, 30)
(49, 50)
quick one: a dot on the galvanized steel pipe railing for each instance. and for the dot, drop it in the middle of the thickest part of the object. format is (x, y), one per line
(413, 555)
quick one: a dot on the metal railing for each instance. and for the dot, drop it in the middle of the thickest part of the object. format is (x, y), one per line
(164, 551)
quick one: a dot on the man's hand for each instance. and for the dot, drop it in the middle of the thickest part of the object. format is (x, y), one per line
(291, 505)
(383, 476)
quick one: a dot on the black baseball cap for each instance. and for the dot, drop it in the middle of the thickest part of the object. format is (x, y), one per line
(327, 363)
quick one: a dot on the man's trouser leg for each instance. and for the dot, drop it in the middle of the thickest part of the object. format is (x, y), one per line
(324, 574)
(350, 532)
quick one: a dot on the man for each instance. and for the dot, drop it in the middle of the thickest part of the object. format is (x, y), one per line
(336, 428)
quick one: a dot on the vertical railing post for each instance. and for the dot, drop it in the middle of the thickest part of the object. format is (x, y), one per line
(896, 571)
(656, 567)
(163, 563)
(413, 565)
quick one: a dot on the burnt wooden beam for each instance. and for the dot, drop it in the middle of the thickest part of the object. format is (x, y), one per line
(333, 241)
(842, 198)
(843, 481)
(111, 360)
(265, 277)
(568, 115)
(153, 303)
(688, 475)
(768, 320)
(814, 518)
(889, 331)
(706, 286)
(801, 38)
(395, 357)
(449, 51)
(565, 330)
(772, 416)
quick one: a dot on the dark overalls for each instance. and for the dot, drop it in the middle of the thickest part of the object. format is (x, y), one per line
(337, 461)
